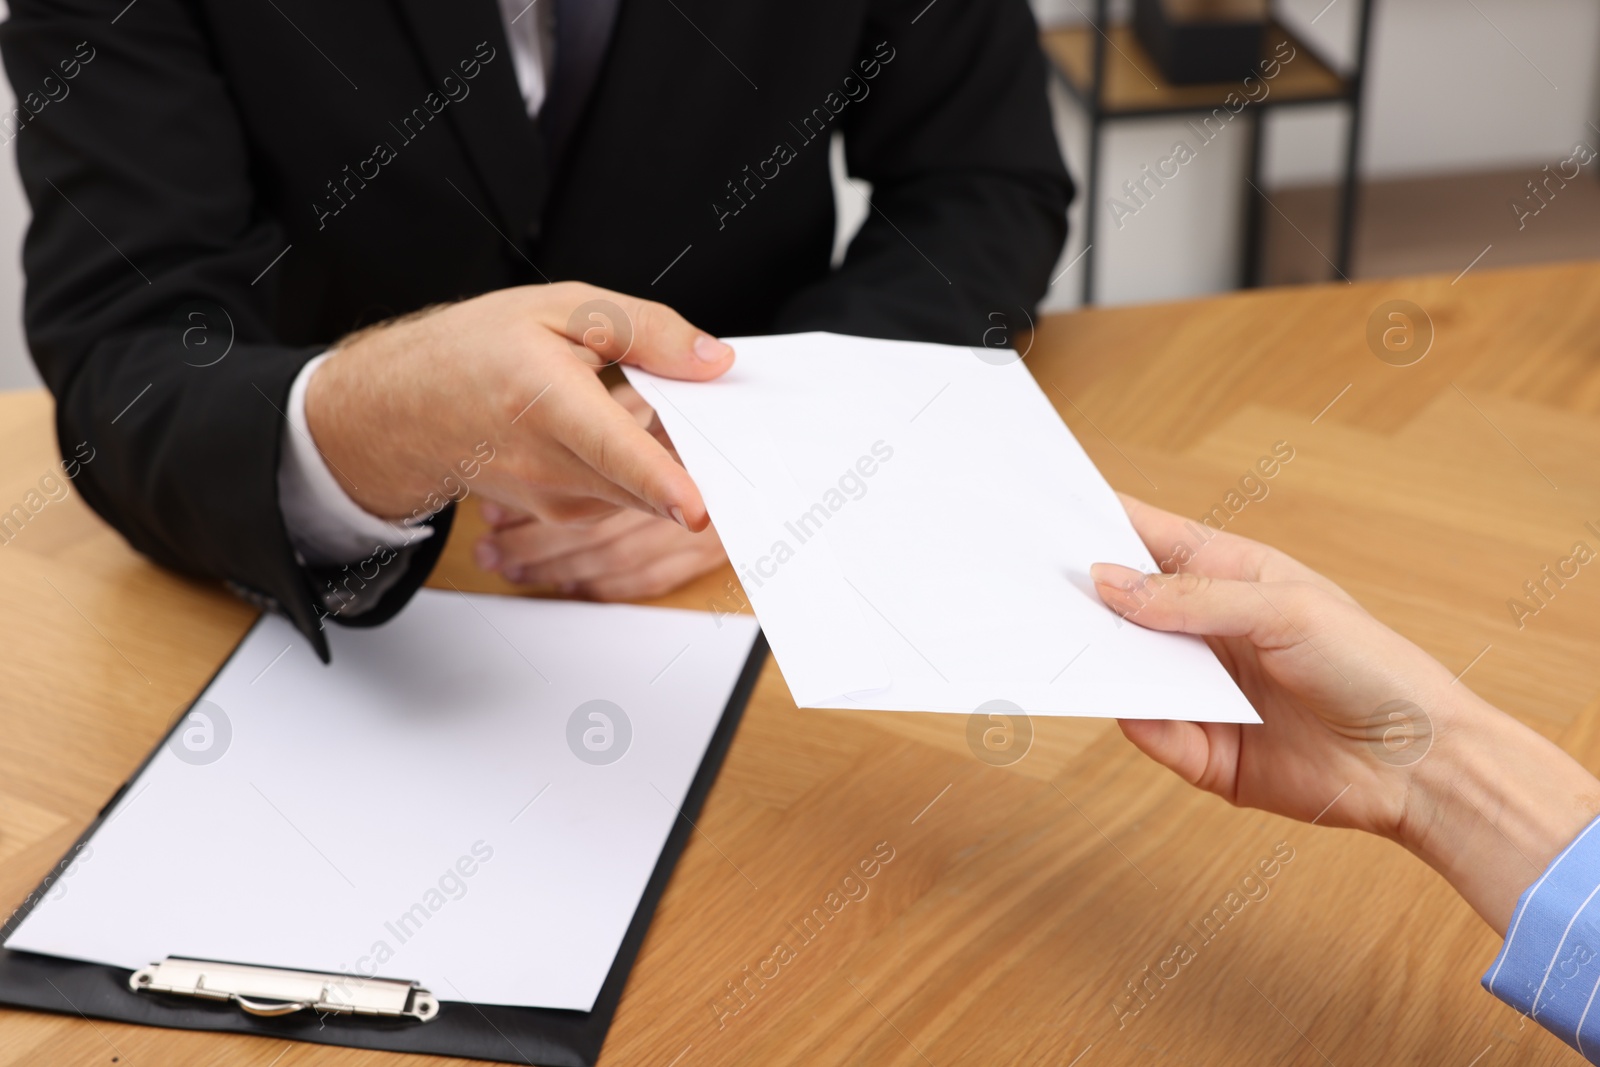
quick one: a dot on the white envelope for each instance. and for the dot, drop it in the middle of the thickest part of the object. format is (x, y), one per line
(914, 526)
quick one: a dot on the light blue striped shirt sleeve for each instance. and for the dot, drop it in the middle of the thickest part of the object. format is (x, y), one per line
(1549, 967)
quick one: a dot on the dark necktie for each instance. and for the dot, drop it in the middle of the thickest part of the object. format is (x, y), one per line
(583, 32)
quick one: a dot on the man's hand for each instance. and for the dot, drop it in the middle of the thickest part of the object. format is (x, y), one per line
(1360, 727)
(398, 407)
(626, 556)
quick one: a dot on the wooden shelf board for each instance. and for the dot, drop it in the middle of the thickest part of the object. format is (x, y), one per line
(1134, 84)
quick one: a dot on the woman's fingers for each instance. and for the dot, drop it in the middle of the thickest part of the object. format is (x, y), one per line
(1193, 604)
(1181, 747)
(1177, 542)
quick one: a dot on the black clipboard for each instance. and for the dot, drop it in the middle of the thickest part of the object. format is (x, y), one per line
(543, 1036)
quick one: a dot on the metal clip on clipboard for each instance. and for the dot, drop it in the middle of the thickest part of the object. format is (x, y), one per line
(276, 991)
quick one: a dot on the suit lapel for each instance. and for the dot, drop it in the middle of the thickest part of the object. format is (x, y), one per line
(503, 144)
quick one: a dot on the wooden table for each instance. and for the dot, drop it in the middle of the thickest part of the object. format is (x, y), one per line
(1020, 901)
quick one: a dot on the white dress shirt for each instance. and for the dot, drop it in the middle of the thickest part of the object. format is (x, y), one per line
(325, 525)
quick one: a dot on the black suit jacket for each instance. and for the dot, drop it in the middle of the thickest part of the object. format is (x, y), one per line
(261, 178)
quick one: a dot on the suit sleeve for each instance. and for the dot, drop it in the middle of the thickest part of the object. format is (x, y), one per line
(151, 299)
(969, 191)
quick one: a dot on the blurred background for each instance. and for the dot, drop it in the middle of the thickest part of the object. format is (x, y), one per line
(1464, 103)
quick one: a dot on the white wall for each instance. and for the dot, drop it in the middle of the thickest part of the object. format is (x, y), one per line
(16, 370)
(1184, 240)
(1453, 86)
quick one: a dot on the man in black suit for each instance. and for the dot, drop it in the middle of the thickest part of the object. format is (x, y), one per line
(225, 191)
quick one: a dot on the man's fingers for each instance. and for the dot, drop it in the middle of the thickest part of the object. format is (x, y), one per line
(606, 436)
(1190, 603)
(665, 343)
(619, 328)
(659, 432)
(653, 579)
(533, 545)
(500, 517)
(621, 556)
(595, 427)
(554, 484)
(640, 409)
(626, 395)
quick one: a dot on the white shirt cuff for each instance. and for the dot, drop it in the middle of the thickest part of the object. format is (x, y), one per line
(324, 525)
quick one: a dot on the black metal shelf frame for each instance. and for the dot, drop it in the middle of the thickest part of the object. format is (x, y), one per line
(1351, 93)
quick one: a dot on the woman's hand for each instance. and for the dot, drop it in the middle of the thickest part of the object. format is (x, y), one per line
(1360, 727)
(1345, 701)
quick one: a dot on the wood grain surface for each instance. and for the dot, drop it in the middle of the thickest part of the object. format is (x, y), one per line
(1020, 902)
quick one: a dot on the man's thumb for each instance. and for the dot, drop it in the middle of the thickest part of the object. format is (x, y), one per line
(656, 338)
